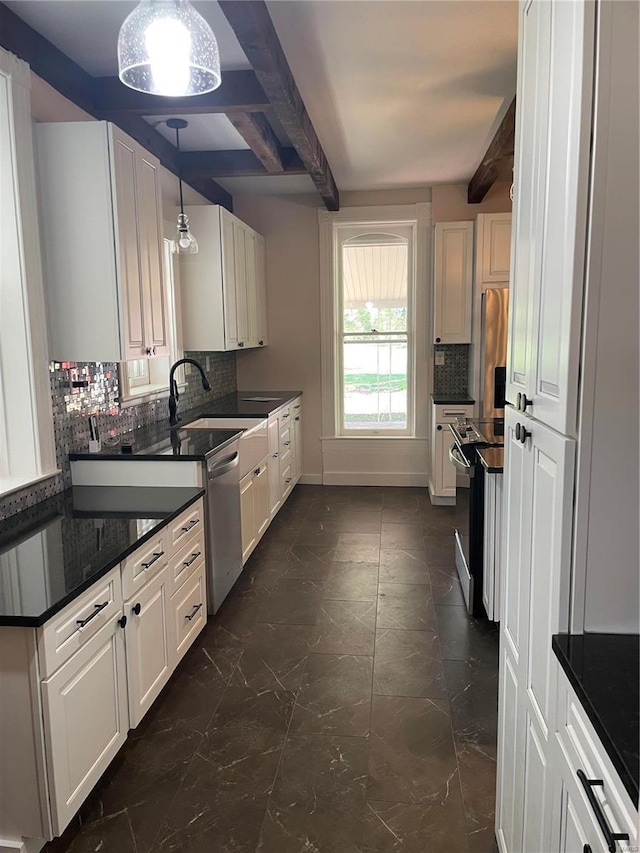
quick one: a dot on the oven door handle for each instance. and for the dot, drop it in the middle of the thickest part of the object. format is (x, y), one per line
(459, 462)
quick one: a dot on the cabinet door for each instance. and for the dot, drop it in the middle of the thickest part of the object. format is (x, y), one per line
(261, 292)
(496, 248)
(130, 283)
(453, 282)
(251, 280)
(85, 719)
(274, 465)
(445, 473)
(248, 515)
(510, 769)
(261, 498)
(149, 662)
(242, 306)
(149, 199)
(489, 545)
(534, 49)
(229, 281)
(297, 445)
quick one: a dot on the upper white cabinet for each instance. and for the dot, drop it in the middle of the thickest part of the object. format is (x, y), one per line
(101, 216)
(493, 248)
(224, 285)
(553, 127)
(453, 280)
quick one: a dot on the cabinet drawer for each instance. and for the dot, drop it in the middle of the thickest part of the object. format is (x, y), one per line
(69, 630)
(286, 477)
(185, 561)
(296, 406)
(284, 415)
(286, 440)
(188, 524)
(188, 613)
(447, 414)
(142, 565)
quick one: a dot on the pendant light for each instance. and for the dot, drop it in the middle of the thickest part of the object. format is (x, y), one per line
(185, 243)
(167, 48)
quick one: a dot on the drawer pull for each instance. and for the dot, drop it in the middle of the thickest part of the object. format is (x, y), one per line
(193, 613)
(275, 455)
(284, 417)
(288, 480)
(194, 557)
(587, 849)
(98, 607)
(156, 556)
(298, 417)
(136, 609)
(609, 836)
(296, 407)
(286, 443)
(190, 525)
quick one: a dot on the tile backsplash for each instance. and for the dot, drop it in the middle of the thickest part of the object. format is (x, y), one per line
(452, 377)
(79, 390)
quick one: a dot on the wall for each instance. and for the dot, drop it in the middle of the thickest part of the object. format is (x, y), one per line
(449, 202)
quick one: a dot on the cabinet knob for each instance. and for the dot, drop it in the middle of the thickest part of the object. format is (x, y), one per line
(298, 418)
(136, 609)
(256, 471)
(438, 340)
(122, 621)
(275, 455)
(148, 350)
(439, 427)
(261, 343)
(522, 401)
(522, 434)
(587, 849)
(240, 343)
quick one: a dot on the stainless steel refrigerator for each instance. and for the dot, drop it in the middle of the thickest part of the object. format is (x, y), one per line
(493, 353)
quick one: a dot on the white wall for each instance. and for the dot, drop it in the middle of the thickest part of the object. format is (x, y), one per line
(449, 202)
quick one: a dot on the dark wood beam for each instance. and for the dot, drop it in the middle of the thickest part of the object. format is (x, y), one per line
(235, 164)
(72, 81)
(500, 149)
(259, 136)
(254, 30)
(238, 92)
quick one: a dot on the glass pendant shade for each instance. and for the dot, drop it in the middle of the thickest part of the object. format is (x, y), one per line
(185, 243)
(167, 48)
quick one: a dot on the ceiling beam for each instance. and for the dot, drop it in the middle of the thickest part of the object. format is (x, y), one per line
(197, 165)
(254, 30)
(72, 81)
(500, 149)
(238, 92)
(259, 136)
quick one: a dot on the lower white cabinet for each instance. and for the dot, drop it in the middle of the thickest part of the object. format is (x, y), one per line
(442, 474)
(275, 493)
(86, 720)
(255, 507)
(149, 659)
(492, 545)
(188, 613)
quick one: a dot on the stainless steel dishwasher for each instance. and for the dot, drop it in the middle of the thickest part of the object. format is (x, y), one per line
(224, 539)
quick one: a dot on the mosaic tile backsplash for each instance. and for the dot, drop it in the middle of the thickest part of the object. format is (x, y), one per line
(79, 390)
(453, 376)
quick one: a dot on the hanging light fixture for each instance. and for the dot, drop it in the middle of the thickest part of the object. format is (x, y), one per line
(185, 243)
(167, 48)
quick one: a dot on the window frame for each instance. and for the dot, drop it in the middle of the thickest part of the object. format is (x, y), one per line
(343, 233)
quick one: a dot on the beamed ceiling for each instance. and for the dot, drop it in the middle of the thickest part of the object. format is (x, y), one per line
(371, 94)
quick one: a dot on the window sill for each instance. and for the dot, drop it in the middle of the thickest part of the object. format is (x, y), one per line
(9, 485)
(368, 437)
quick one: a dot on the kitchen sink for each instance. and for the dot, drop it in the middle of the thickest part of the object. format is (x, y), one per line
(254, 441)
(261, 399)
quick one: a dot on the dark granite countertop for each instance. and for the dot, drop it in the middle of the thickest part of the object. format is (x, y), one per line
(492, 459)
(456, 397)
(159, 442)
(603, 671)
(56, 549)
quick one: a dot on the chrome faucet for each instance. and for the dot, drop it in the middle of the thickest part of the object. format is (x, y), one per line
(174, 396)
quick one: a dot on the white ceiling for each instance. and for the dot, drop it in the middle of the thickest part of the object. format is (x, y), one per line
(402, 93)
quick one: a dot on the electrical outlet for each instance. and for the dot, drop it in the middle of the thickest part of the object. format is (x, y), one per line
(439, 358)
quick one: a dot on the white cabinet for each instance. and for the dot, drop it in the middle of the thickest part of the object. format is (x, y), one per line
(539, 473)
(493, 248)
(275, 493)
(296, 412)
(453, 282)
(492, 545)
(224, 285)
(101, 218)
(255, 507)
(85, 719)
(442, 474)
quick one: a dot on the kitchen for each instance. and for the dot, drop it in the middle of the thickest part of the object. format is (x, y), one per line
(250, 675)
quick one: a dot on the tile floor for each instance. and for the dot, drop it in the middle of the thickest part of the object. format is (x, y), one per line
(341, 701)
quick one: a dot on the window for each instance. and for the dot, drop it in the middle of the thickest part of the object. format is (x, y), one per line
(374, 362)
(149, 377)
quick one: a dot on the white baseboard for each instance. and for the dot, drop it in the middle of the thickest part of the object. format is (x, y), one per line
(311, 479)
(374, 478)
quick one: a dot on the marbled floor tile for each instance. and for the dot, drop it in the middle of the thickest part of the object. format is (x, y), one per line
(274, 548)
(352, 582)
(478, 780)
(407, 496)
(318, 797)
(319, 532)
(440, 549)
(472, 688)
(401, 514)
(335, 697)
(111, 833)
(402, 536)
(308, 562)
(437, 520)
(293, 602)
(464, 638)
(345, 628)
(239, 613)
(417, 828)
(198, 823)
(405, 606)
(274, 656)
(411, 754)
(361, 521)
(259, 573)
(358, 548)
(408, 663)
(403, 566)
(445, 586)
